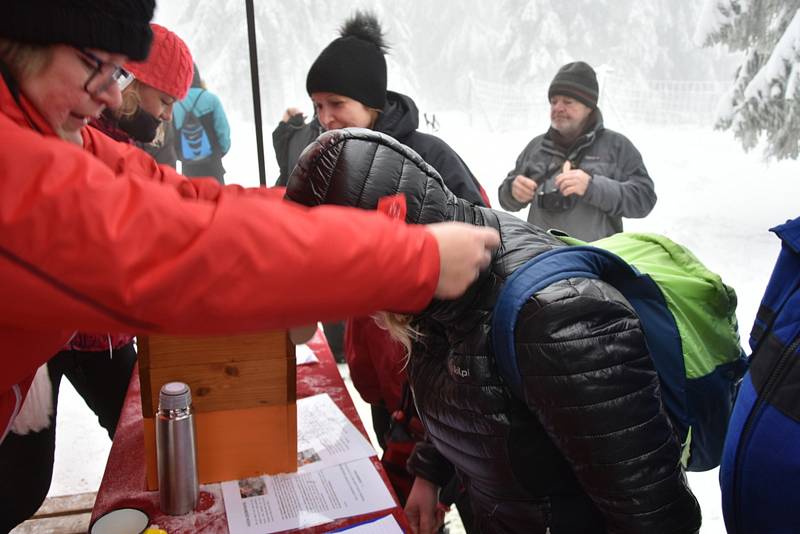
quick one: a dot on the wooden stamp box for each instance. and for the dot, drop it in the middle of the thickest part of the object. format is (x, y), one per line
(244, 397)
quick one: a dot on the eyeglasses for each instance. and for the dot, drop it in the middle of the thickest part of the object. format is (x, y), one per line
(103, 74)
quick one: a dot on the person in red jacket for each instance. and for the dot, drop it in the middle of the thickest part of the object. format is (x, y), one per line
(95, 236)
(98, 365)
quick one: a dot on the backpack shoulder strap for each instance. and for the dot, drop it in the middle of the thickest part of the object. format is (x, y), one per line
(194, 104)
(196, 100)
(539, 272)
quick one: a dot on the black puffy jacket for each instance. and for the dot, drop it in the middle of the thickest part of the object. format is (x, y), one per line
(400, 119)
(590, 447)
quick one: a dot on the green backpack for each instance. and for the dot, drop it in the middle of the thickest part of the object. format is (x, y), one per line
(687, 313)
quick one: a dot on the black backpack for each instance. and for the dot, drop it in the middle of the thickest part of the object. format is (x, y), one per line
(194, 142)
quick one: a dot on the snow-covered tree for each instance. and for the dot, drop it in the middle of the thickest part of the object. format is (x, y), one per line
(765, 97)
(638, 39)
(438, 49)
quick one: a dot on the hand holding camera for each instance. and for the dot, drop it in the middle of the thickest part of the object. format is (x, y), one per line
(523, 188)
(557, 193)
(572, 181)
(548, 196)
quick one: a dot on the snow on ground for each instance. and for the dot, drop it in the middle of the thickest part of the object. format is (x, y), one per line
(713, 198)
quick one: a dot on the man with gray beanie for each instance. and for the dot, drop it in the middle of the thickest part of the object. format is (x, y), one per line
(578, 177)
(183, 257)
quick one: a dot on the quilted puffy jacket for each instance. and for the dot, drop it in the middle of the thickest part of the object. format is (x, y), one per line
(590, 447)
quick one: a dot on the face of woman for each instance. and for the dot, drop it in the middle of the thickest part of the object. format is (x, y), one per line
(71, 90)
(338, 111)
(156, 103)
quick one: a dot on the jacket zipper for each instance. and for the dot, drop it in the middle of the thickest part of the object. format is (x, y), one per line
(766, 393)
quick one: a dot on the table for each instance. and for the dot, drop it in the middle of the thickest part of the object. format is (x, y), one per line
(123, 483)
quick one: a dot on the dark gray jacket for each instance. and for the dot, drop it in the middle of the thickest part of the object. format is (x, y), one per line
(590, 447)
(620, 185)
(400, 119)
(289, 139)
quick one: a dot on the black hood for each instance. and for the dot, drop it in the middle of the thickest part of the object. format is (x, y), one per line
(400, 116)
(357, 167)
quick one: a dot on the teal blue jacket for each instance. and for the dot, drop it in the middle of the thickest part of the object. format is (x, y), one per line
(206, 103)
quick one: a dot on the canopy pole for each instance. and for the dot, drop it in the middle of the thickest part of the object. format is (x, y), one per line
(251, 39)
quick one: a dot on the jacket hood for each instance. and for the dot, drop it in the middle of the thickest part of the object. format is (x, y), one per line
(357, 167)
(400, 116)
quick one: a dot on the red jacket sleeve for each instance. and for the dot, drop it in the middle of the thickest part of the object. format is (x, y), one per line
(377, 362)
(117, 243)
(128, 159)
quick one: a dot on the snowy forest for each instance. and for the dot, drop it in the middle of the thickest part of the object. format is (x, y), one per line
(765, 94)
(438, 48)
(734, 62)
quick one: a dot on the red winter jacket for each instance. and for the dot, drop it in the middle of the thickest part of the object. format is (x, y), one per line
(377, 362)
(102, 239)
(97, 342)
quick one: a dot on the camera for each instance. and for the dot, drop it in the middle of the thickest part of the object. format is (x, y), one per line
(549, 198)
(555, 201)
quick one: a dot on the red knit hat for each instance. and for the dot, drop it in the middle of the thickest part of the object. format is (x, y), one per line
(168, 68)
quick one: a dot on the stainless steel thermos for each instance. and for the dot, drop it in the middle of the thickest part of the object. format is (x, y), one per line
(176, 449)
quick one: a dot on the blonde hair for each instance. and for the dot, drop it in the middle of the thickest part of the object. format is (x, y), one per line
(161, 134)
(24, 59)
(131, 100)
(399, 327)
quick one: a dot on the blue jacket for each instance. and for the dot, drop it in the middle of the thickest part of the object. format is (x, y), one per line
(205, 103)
(761, 464)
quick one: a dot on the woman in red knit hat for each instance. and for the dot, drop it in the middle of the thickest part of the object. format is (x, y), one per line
(155, 86)
(98, 365)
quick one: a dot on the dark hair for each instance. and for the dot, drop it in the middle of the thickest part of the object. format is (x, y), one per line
(197, 81)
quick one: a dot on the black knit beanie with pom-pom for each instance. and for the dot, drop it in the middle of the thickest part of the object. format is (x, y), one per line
(354, 64)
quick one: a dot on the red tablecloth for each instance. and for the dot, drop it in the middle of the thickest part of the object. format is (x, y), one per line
(124, 485)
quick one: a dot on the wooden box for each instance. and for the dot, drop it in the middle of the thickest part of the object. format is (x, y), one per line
(244, 396)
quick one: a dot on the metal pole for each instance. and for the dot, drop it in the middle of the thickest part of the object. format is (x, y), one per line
(251, 39)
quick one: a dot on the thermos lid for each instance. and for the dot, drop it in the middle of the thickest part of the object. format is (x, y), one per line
(174, 396)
